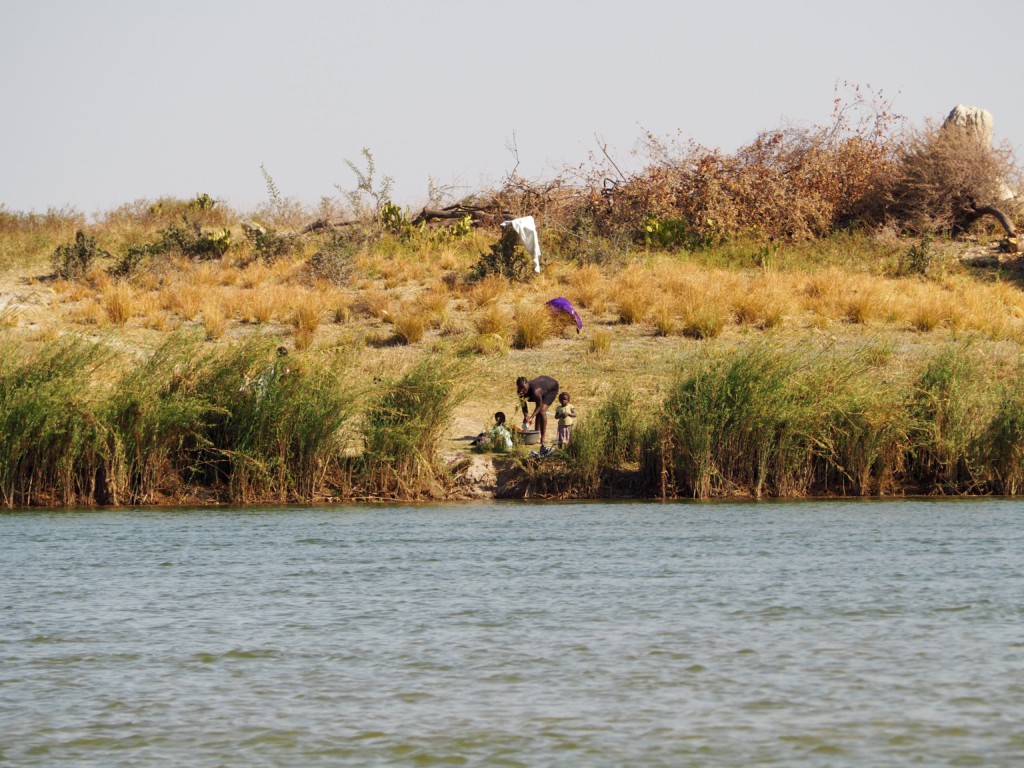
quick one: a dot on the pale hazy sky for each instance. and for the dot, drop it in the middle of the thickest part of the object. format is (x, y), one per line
(107, 101)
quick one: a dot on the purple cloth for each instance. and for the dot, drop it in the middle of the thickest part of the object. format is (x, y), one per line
(563, 305)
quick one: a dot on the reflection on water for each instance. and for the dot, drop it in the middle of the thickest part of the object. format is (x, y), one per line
(840, 633)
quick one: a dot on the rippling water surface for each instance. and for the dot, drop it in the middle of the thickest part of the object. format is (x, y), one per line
(840, 633)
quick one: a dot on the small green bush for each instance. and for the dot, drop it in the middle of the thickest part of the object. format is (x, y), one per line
(506, 258)
(71, 261)
(335, 261)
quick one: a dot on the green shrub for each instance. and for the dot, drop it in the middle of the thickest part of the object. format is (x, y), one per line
(268, 244)
(335, 261)
(71, 261)
(190, 241)
(506, 258)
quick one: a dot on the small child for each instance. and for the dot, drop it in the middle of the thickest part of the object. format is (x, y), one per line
(566, 416)
(498, 438)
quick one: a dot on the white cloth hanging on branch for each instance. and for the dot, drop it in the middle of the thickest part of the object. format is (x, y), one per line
(526, 228)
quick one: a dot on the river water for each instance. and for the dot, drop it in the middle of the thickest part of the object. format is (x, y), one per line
(885, 633)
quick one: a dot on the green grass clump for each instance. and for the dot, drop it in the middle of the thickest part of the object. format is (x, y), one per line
(273, 425)
(159, 419)
(402, 429)
(953, 406)
(769, 421)
(54, 446)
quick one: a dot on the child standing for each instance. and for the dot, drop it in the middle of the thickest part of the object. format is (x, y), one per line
(566, 416)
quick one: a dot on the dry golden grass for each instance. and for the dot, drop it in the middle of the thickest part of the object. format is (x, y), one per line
(490, 289)
(699, 320)
(340, 306)
(98, 278)
(410, 323)
(303, 338)
(435, 303)
(664, 318)
(587, 287)
(215, 320)
(307, 312)
(162, 321)
(926, 311)
(493, 319)
(182, 298)
(44, 335)
(260, 305)
(531, 325)
(491, 344)
(255, 275)
(375, 303)
(600, 342)
(119, 302)
(448, 259)
(633, 302)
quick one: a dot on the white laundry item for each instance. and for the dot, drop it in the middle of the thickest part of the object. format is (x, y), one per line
(526, 228)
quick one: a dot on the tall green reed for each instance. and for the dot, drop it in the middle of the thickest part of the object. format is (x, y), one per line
(159, 419)
(54, 445)
(771, 421)
(273, 424)
(402, 428)
(1001, 445)
(953, 406)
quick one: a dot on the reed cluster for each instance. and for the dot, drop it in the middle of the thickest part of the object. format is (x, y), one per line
(402, 427)
(770, 421)
(81, 425)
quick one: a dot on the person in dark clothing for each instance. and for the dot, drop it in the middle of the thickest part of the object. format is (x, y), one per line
(542, 392)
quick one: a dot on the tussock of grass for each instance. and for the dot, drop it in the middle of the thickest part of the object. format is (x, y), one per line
(410, 324)
(532, 326)
(119, 303)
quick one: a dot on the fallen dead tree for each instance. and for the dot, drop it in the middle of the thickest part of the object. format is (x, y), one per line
(321, 224)
(478, 214)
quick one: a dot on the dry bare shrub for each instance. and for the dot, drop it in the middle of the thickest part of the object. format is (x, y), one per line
(942, 174)
(787, 184)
